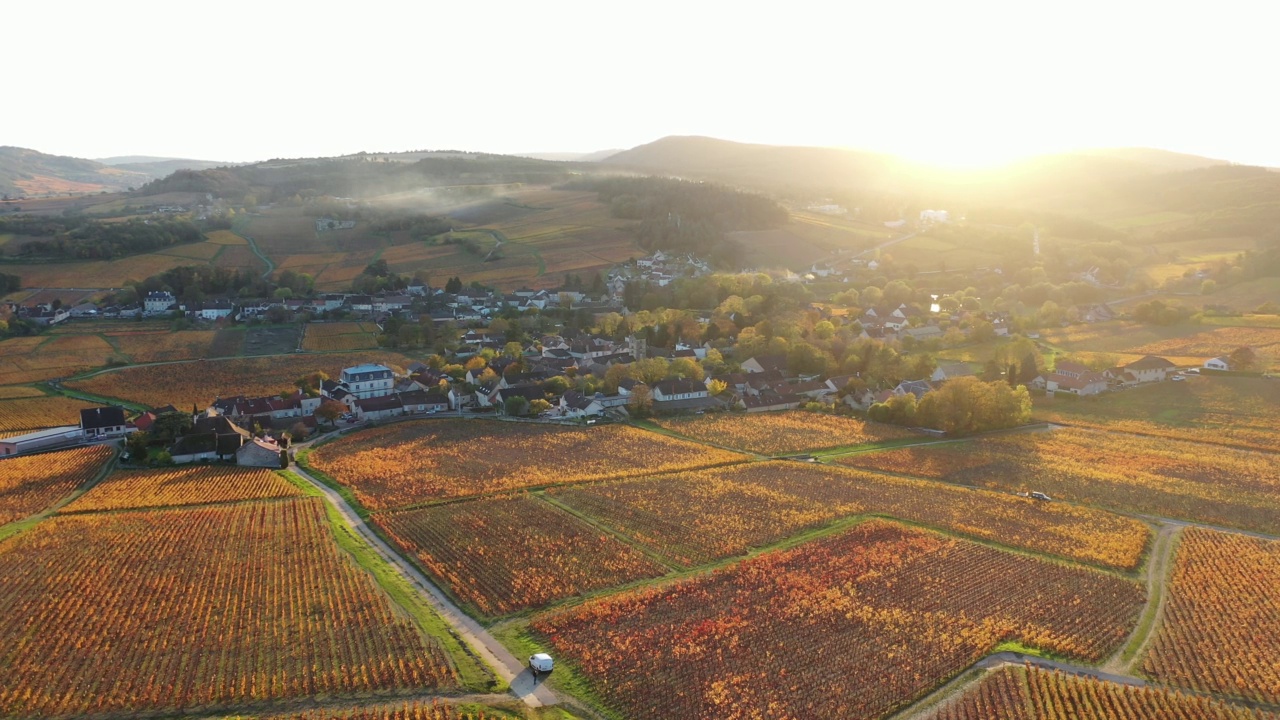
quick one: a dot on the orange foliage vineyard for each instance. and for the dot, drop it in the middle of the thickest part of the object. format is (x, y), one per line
(435, 710)
(503, 555)
(1236, 411)
(851, 626)
(26, 414)
(1220, 630)
(31, 483)
(329, 337)
(189, 485)
(786, 432)
(418, 462)
(696, 517)
(199, 383)
(1217, 485)
(1014, 693)
(212, 606)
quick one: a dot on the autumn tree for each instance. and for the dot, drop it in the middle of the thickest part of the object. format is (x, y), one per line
(331, 410)
(968, 405)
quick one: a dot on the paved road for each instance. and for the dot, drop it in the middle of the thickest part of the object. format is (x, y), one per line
(512, 670)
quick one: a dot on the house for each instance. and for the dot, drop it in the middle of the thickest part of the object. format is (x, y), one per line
(927, 332)
(368, 380)
(771, 400)
(765, 363)
(259, 452)
(678, 389)
(915, 387)
(928, 217)
(213, 309)
(574, 404)
(158, 301)
(47, 439)
(1150, 369)
(212, 437)
(378, 407)
(1076, 379)
(950, 371)
(98, 423)
(417, 402)
(1218, 363)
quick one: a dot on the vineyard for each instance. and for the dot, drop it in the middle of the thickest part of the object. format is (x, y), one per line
(503, 555)
(1015, 693)
(1221, 627)
(1242, 412)
(435, 710)
(198, 383)
(187, 485)
(31, 483)
(785, 432)
(696, 517)
(1219, 341)
(1131, 473)
(414, 463)
(340, 336)
(23, 415)
(146, 347)
(854, 625)
(204, 607)
(35, 358)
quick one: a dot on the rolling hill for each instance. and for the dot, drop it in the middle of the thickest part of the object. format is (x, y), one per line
(29, 173)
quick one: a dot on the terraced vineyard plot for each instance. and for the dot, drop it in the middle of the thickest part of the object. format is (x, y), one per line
(185, 384)
(1014, 693)
(203, 607)
(851, 626)
(1242, 412)
(1131, 473)
(189, 485)
(22, 415)
(418, 462)
(503, 555)
(1221, 626)
(31, 483)
(784, 432)
(696, 517)
(27, 360)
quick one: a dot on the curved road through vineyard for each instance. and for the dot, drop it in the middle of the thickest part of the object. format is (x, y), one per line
(471, 632)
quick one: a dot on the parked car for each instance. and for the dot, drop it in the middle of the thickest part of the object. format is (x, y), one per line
(541, 664)
(1179, 378)
(1040, 496)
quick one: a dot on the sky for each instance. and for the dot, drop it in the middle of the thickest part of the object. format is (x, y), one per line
(958, 84)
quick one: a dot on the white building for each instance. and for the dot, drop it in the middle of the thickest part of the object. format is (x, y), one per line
(1218, 363)
(934, 216)
(158, 301)
(368, 381)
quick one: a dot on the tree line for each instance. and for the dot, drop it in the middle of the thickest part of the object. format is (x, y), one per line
(84, 239)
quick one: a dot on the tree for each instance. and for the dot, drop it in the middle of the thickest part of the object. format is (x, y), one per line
(512, 350)
(137, 443)
(331, 410)
(539, 406)
(299, 431)
(685, 368)
(715, 387)
(453, 285)
(641, 403)
(515, 406)
(1242, 359)
(170, 426)
(967, 405)
(311, 382)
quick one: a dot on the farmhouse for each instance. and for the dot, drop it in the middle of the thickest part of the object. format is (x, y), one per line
(378, 408)
(99, 423)
(1076, 379)
(158, 301)
(1150, 369)
(212, 437)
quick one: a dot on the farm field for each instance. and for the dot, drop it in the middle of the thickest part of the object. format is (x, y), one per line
(416, 463)
(97, 273)
(503, 555)
(23, 415)
(855, 625)
(1236, 411)
(258, 604)
(199, 383)
(696, 517)
(1216, 342)
(148, 347)
(31, 483)
(184, 485)
(1030, 693)
(1129, 473)
(339, 336)
(777, 433)
(1220, 630)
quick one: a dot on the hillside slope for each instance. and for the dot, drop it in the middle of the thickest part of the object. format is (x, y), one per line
(30, 173)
